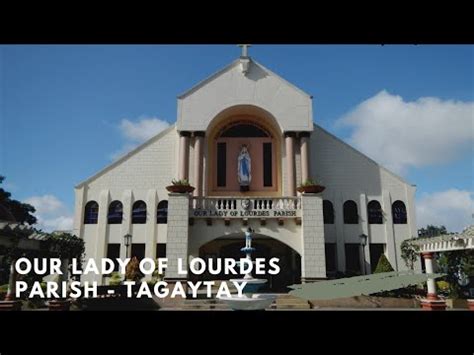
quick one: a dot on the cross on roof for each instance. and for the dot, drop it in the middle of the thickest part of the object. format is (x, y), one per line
(244, 50)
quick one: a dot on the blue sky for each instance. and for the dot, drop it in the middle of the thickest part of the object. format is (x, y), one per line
(62, 111)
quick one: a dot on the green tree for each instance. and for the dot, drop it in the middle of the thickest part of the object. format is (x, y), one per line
(432, 231)
(456, 264)
(22, 212)
(383, 265)
(410, 253)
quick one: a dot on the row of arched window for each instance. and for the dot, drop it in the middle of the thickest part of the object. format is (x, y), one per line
(115, 212)
(374, 212)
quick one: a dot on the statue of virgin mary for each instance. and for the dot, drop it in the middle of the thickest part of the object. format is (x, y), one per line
(244, 169)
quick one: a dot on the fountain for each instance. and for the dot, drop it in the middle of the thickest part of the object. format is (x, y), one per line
(250, 300)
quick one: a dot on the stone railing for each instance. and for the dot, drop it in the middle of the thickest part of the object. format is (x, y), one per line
(243, 207)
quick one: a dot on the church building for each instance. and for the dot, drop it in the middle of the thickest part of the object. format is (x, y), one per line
(247, 141)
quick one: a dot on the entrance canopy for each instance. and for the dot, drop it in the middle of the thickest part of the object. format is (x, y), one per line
(25, 238)
(447, 242)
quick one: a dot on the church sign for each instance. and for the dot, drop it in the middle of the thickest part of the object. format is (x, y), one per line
(238, 207)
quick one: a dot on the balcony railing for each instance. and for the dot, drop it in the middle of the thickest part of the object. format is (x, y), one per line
(243, 207)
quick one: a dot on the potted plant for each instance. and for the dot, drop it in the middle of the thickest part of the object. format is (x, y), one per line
(310, 186)
(180, 186)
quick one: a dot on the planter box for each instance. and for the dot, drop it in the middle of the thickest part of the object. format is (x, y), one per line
(456, 303)
(180, 189)
(366, 302)
(10, 305)
(59, 305)
(312, 189)
(470, 304)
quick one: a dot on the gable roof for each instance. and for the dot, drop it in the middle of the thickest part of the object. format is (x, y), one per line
(126, 156)
(228, 67)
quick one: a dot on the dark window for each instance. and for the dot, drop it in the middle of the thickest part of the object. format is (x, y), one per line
(376, 250)
(328, 212)
(221, 164)
(115, 213)
(267, 164)
(330, 249)
(353, 259)
(139, 212)
(113, 253)
(91, 213)
(351, 216)
(161, 250)
(162, 212)
(374, 211)
(244, 130)
(399, 213)
(138, 250)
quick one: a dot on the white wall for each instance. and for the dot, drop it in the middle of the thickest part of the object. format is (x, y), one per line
(350, 175)
(230, 87)
(141, 175)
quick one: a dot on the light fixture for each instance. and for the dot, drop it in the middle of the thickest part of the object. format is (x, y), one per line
(127, 239)
(363, 240)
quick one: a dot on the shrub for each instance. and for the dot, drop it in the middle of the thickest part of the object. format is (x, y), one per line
(115, 279)
(132, 271)
(309, 182)
(183, 182)
(383, 265)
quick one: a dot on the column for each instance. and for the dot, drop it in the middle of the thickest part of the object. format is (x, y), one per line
(127, 200)
(290, 163)
(305, 159)
(10, 296)
(392, 253)
(313, 257)
(430, 283)
(198, 162)
(365, 261)
(101, 242)
(79, 211)
(339, 226)
(432, 302)
(177, 238)
(151, 226)
(183, 172)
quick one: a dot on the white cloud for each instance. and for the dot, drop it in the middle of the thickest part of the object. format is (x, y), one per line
(400, 134)
(51, 213)
(452, 208)
(136, 132)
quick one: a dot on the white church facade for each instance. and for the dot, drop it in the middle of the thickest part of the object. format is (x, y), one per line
(245, 139)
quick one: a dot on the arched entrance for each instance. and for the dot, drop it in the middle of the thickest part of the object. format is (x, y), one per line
(256, 130)
(267, 248)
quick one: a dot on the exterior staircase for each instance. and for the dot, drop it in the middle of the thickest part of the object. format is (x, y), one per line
(283, 302)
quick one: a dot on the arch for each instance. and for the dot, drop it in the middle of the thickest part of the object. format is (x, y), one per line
(223, 139)
(374, 212)
(267, 119)
(162, 212)
(238, 129)
(201, 234)
(351, 215)
(265, 247)
(328, 212)
(139, 212)
(399, 212)
(91, 212)
(115, 213)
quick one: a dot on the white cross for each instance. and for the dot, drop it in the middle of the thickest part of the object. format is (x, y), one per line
(244, 50)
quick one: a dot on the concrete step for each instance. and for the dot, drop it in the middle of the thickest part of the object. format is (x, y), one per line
(291, 306)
